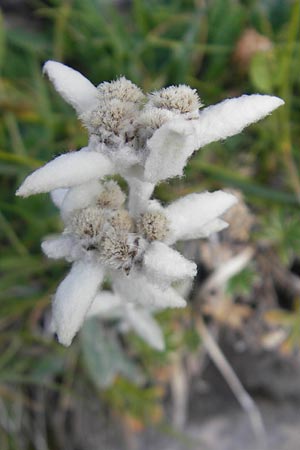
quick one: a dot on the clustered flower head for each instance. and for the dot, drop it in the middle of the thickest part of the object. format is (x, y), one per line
(128, 239)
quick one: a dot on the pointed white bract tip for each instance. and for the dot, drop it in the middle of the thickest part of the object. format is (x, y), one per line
(72, 86)
(270, 102)
(277, 101)
(231, 116)
(65, 341)
(58, 247)
(19, 192)
(73, 299)
(70, 169)
(190, 215)
(163, 264)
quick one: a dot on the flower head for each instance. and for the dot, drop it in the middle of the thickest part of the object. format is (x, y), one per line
(145, 140)
(111, 196)
(153, 225)
(120, 89)
(181, 99)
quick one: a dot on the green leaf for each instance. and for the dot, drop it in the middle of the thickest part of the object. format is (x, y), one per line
(103, 357)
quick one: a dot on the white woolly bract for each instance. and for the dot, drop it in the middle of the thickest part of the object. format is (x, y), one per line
(169, 148)
(135, 288)
(173, 143)
(145, 326)
(66, 170)
(124, 158)
(188, 215)
(58, 247)
(164, 265)
(58, 196)
(212, 227)
(106, 305)
(73, 299)
(72, 86)
(81, 196)
(231, 116)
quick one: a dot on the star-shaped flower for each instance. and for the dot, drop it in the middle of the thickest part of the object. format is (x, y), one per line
(145, 139)
(102, 239)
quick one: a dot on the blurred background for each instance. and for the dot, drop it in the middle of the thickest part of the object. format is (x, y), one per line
(232, 357)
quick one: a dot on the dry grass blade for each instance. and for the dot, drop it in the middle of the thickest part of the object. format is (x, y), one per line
(234, 383)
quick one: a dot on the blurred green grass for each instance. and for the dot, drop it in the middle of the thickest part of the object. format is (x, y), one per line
(153, 43)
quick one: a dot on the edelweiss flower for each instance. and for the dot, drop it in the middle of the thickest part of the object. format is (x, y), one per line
(145, 139)
(101, 239)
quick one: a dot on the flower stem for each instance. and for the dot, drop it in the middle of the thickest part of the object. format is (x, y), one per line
(139, 194)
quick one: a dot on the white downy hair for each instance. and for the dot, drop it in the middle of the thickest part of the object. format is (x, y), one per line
(145, 139)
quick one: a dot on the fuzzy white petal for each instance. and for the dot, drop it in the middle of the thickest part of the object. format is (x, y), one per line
(106, 305)
(169, 148)
(80, 197)
(58, 247)
(135, 288)
(73, 299)
(163, 265)
(145, 326)
(231, 116)
(188, 215)
(72, 86)
(212, 227)
(124, 158)
(58, 195)
(67, 170)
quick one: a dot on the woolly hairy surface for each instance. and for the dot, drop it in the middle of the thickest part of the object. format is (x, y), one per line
(111, 195)
(169, 148)
(181, 98)
(121, 89)
(145, 145)
(154, 118)
(72, 86)
(87, 222)
(153, 225)
(135, 288)
(112, 115)
(189, 215)
(106, 305)
(164, 265)
(81, 196)
(140, 192)
(74, 297)
(66, 170)
(120, 220)
(58, 247)
(115, 248)
(231, 116)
